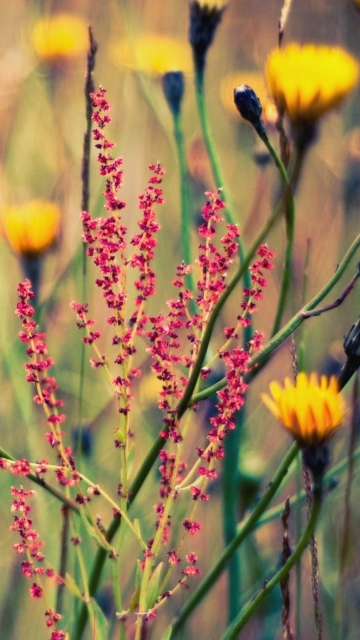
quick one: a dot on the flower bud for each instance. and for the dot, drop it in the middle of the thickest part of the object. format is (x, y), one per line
(204, 20)
(173, 87)
(352, 341)
(247, 103)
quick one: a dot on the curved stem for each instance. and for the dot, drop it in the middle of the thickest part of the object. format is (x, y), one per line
(186, 222)
(216, 169)
(184, 189)
(248, 611)
(210, 147)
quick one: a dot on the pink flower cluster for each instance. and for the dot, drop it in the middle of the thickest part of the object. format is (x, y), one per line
(113, 253)
(39, 365)
(30, 546)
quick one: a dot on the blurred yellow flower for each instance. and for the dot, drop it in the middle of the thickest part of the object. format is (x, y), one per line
(308, 81)
(60, 37)
(31, 228)
(253, 79)
(212, 3)
(311, 410)
(153, 54)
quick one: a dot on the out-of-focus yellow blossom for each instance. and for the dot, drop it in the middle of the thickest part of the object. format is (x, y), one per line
(212, 3)
(255, 80)
(60, 37)
(153, 54)
(311, 410)
(307, 81)
(31, 228)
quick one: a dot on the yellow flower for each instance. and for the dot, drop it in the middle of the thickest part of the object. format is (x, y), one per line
(153, 54)
(60, 37)
(308, 81)
(311, 411)
(32, 228)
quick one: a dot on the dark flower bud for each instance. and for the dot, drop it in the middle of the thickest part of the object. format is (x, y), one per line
(204, 20)
(248, 104)
(352, 341)
(173, 87)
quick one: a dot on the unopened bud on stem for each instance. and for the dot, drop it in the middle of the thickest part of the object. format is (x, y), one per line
(249, 106)
(173, 87)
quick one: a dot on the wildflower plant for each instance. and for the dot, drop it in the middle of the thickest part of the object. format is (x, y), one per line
(138, 527)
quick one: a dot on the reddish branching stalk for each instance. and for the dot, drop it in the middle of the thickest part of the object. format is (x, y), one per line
(46, 386)
(284, 584)
(168, 337)
(30, 547)
(113, 253)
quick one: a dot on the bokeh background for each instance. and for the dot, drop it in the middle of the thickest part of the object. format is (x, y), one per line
(42, 124)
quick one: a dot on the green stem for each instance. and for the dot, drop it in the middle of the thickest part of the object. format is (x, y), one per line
(210, 147)
(241, 534)
(249, 610)
(216, 170)
(295, 321)
(184, 189)
(289, 187)
(186, 222)
(230, 482)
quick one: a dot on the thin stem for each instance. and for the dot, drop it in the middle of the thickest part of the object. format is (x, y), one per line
(85, 200)
(230, 483)
(287, 268)
(216, 168)
(249, 610)
(209, 143)
(186, 223)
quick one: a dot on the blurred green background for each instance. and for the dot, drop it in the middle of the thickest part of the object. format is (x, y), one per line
(41, 136)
